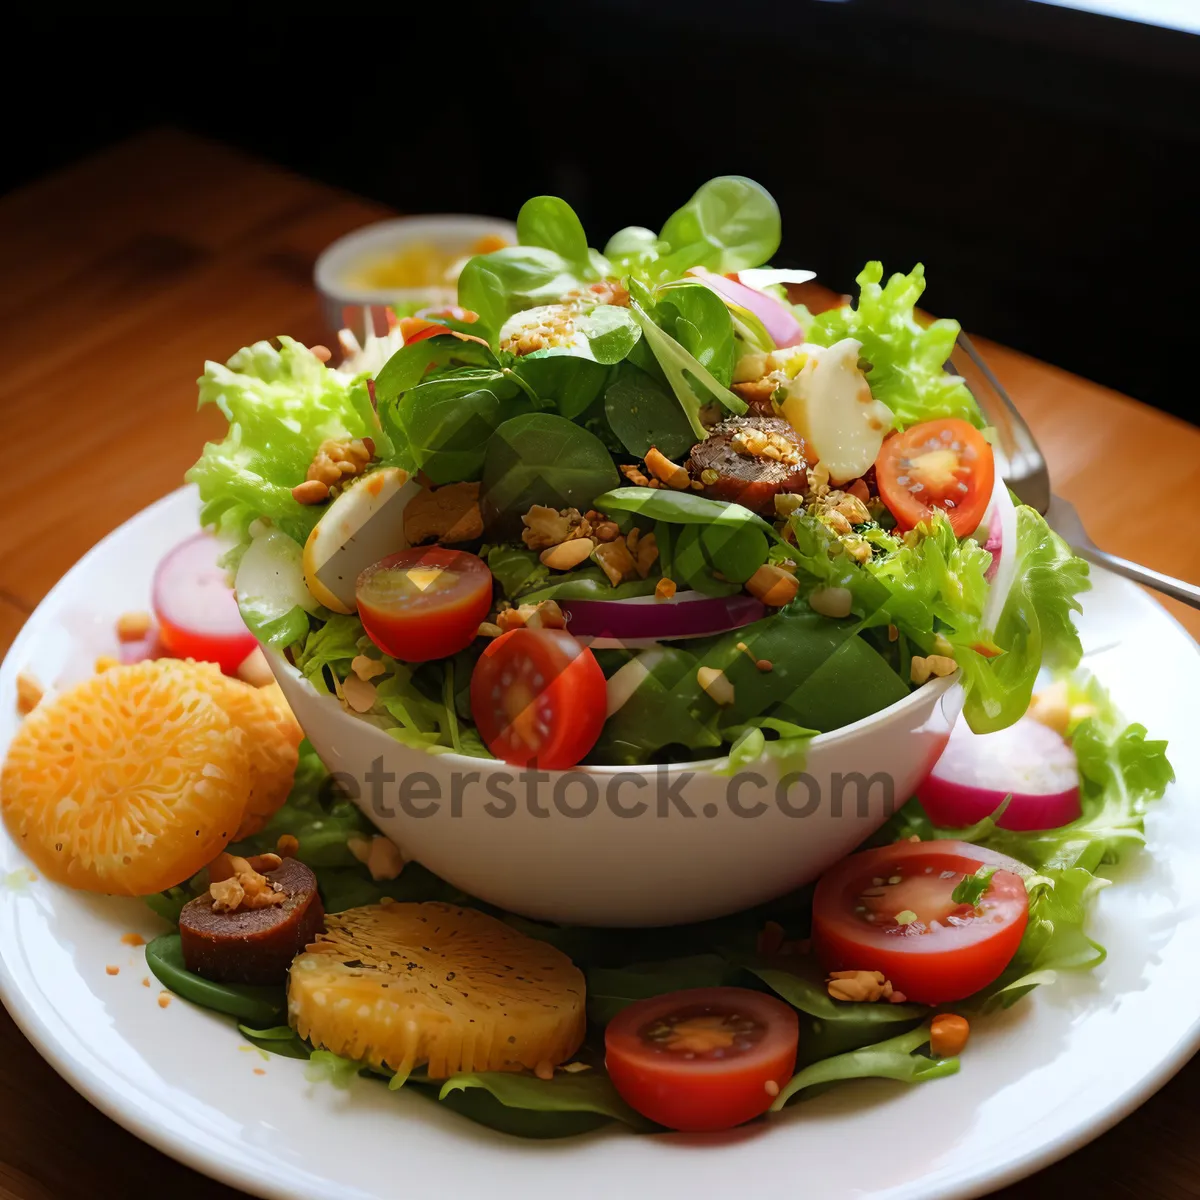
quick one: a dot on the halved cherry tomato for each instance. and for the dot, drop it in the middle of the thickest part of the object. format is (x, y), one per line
(538, 697)
(702, 1059)
(891, 909)
(416, 329)
(937, 464)
(197, 613)
(424, 603)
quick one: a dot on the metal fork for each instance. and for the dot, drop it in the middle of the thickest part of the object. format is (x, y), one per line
(1023, 467)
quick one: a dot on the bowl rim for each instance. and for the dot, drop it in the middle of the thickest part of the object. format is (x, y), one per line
(396, 231)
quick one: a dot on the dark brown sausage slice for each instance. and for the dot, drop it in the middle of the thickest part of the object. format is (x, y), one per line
(744, 476)
(254, 945)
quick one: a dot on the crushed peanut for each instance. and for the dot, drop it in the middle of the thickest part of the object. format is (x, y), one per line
(556, 327)
(634, 474)
(932, 665)
(670, 473)
(646, 554)
(774, 586)
(544, 1070)
(664, 589)
(716, 685)
(544, 615)
(831, 601)
(859, 986)
(367, 668)
(359, 694)
(544, 527)
(239, 883)
(133, 626)
(335, 462)
(608, 531)
(288, 846)
(615, 561)
(311, 491)
(29, 693)
(488, 629)
(759, 443)
(569, 554)
(384, 859)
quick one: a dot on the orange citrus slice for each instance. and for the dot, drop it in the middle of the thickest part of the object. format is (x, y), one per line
(128, 783)
(273, 737)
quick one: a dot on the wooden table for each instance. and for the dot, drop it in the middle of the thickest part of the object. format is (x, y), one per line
(121, 275)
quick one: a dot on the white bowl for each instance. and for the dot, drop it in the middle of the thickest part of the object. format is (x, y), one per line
(452, 232)
(563, 851)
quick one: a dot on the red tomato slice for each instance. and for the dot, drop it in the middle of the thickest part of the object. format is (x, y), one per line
(938, 464)
(538, 697)
(938, 951)
(424, 603)
(195, 606)
(415, 329)
(703, 1059)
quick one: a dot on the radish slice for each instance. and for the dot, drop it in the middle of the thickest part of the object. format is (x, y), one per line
(783, 327)
(978, 771)
(686, 615)
(994, 544)
(197, 614)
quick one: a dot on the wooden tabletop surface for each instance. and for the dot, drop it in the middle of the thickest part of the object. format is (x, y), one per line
(121, 275)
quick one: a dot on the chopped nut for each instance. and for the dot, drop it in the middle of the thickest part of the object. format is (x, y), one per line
(615, 560)
(544, 1070)
(852, 508)
(445, 514)
(607, 531)
(940, 665)
(716, 684)
(311, 491)
(359, 694)
(893, 633)
(568, 555)
(918, 670)
(831, 601)
(670, 473)
(634, 475)
(367, 668)
(335, 461)
(287, 846)
(647, 554)
(756, 393)
(573, 1068)
(948, 1035)
(544, 527)
(29, 693)
(837, 522)
(384, 859)
(772, 585)
(818, 479)
(227, 895)
(664, 589)
(133, 626)
(857, 548)
(859, 986)
(631, 540)
(262, 863)
(488, 629)
(544, 615)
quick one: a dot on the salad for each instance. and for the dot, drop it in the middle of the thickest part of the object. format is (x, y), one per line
(713, 523)
(648, 475)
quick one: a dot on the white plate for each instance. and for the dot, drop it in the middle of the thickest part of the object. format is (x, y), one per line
(1036, 1082)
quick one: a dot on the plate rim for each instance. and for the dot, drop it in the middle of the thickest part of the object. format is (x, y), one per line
(210, 1158)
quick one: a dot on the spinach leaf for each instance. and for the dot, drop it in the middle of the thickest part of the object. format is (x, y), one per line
(551, 222)
(611, 332)
(569, 382)
(448, 421)
(734, 553)
(633, 248)
(506, 281)
(730, 223)
(257, 1006)
(699, 321)
(540, 458)
(544, 1103)
(352, 887)
(829, 1027)
(588, 583)
(681, 508)
(642, 415)
(610, 989)
(281, 1040)
(690, 380)
(515, 569)
(410, 364)
(692, 565)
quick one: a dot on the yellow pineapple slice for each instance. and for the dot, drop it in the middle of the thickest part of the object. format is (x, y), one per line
(273, 736)
(398, 985)
(127, 783)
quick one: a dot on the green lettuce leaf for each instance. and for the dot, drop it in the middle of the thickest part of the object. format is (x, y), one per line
(281, 404)
(907, 359)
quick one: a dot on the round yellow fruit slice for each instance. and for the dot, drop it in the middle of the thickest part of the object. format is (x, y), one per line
(128, 783)
(273, 737)
(398, 985)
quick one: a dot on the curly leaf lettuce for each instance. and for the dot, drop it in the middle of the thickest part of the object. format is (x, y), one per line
(907, 358)
(281, 405)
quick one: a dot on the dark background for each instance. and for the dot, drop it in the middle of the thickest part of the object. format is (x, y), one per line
(1041, 162)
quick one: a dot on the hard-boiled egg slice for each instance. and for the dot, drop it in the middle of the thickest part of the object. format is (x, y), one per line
(364, 524)
(830, 405)
(270, 578)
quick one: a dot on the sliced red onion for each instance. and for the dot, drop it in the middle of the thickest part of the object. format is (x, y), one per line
(1027, 761)
(994, 544)
(646, 618)
(777, 321)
